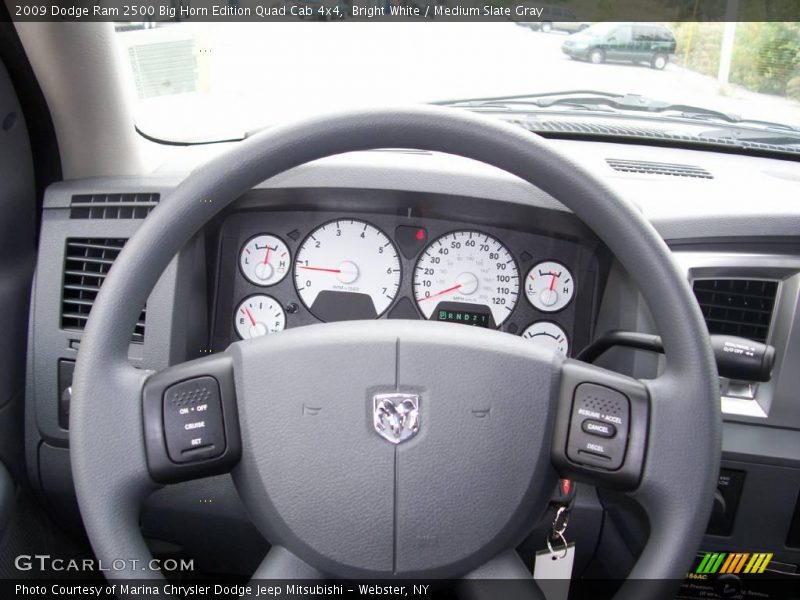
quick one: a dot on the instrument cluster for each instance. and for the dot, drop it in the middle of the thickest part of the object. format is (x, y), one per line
(346, 268)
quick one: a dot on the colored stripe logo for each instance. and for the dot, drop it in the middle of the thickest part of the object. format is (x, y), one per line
(734, 562)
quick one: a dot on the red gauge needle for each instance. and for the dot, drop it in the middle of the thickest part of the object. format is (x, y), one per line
(553, 282)
(250, 316)
(266, 255)
(320, 269)
(447, 291)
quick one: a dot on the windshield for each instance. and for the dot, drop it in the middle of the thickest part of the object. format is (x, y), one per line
(600, 29)
(202, 82)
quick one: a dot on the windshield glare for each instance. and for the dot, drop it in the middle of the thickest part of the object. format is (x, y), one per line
(600, 29)
(202, 82)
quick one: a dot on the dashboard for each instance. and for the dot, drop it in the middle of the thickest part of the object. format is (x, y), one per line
(280, 269)
(260, 254)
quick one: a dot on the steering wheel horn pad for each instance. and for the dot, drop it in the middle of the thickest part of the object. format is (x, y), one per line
(317, 477)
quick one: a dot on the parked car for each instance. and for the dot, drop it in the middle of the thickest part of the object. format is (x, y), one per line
(557, 18)
(630, 42)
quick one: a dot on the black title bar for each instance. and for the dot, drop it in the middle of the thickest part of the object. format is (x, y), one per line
(151, 11)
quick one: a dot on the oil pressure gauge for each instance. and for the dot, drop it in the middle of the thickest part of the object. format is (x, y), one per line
(259, 315)
(548, 334)
(549, 286)
(264, 260)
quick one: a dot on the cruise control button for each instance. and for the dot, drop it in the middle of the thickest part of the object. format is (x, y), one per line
(598, 434)
(193, 423)
(598, 428)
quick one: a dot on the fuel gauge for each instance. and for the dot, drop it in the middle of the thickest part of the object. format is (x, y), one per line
(259, 315)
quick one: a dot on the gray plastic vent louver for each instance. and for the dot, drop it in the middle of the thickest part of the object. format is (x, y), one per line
(112, 206)
(655, 168)
(86, 264)
(740, 307)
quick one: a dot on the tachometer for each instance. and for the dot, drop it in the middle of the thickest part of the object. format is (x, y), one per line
(347, 269)
(470, 268)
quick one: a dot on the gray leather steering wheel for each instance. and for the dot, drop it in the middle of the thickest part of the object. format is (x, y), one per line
(334, 498)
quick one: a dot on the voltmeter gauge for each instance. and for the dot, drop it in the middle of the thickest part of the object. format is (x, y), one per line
(549, 286)
(548, 334)
(259, 315)
(265, 260)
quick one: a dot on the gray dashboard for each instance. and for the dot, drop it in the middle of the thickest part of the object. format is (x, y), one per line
(742, 221)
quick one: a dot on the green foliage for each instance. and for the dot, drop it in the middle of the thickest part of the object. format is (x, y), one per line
(766, 56)
(698, 45)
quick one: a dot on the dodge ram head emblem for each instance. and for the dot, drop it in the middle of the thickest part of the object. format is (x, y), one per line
(396, 416)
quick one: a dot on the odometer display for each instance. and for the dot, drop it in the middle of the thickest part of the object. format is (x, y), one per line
(469, 267)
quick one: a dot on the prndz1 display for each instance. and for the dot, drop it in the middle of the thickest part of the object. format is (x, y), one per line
(467, 317)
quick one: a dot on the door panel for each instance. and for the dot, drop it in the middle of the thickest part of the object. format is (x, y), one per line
(620, 43)
(17, 259)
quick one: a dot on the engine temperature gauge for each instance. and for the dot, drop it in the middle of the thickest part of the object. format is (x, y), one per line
(259, 315)
(264, 260)
(548, 334)
(549, 286)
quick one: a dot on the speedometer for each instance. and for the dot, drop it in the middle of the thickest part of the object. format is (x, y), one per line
(469, 268)
(347, 269)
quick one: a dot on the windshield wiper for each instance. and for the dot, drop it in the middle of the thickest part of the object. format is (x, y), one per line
(526, 97)
(593, 100)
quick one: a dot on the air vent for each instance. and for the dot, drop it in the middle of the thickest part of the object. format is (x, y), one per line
(740, 307)
(583, 129)
(655, 168)
(86, 264)
(112, 206)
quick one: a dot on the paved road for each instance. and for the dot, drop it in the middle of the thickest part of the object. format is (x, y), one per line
(257, 71)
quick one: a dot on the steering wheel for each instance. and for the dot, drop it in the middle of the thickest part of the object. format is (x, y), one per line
(490, 420)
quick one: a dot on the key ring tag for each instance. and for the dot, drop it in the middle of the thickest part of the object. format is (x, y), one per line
(560, 522)
(552, 571)
(564, 550)
(552, 568)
